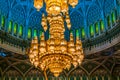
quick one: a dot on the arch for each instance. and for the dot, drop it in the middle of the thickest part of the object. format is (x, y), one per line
(93, 14)
(12, 72)
(100, 70)
(34, 20)
(116, 70)
(77, 20)
(79, 67)
(14, 65)
(34, 73)
(4, 10)
(18, 14)
(108, 6)
(78, 73)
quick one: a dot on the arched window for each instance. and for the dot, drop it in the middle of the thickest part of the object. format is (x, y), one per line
(113, 17)
(116, 14)
(3, 22)
(102, 26)
(15, 28)
(21, 31)
(77, 33)
(96, 28)
(35, 32)
(91, 30)
(108, 22)
(10, 26)
(29, 33)
(83, 33)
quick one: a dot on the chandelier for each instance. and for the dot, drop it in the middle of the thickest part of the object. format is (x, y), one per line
(56, 53)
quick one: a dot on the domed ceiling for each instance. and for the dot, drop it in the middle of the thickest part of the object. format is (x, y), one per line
(96, 22)
(89, 18)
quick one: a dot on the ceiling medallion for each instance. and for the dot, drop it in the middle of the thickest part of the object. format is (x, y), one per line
(55, 54)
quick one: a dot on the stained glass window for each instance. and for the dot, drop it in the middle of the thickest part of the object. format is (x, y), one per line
(113, 17)
(116, 14)
(10, 26)
(15, 28)
(83, 33)
(21, 30)
(96, 28)
(77, 33)
(29, 33)
(3, 21)
(101, 25)
(91, 30)
(35, 32)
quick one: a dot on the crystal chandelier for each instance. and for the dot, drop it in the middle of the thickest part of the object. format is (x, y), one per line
(55, 54)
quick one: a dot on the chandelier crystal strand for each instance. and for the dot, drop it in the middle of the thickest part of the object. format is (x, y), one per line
(79, 50)
(44, 22)
(68, 21)
(56, 53)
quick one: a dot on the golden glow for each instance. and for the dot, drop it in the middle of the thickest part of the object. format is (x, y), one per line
(54, 7)
(55, 54)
